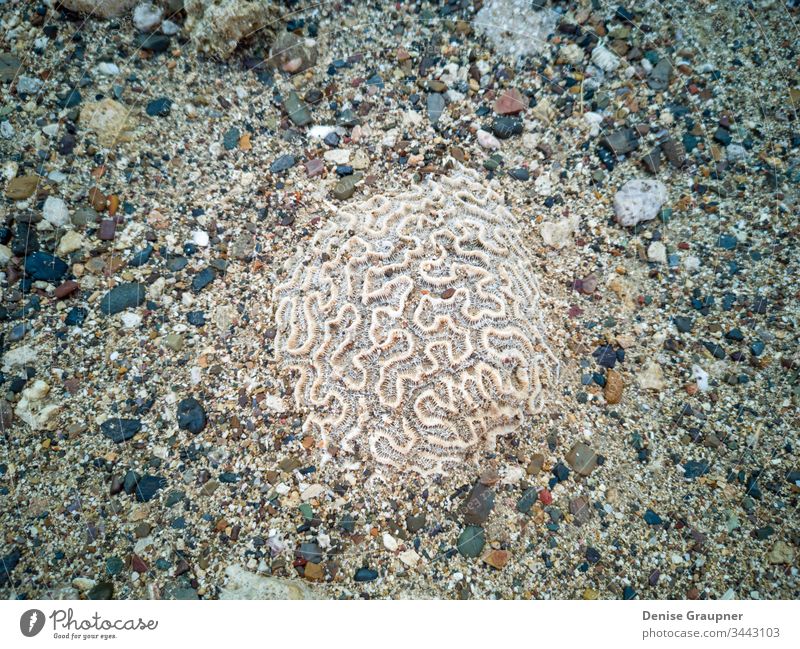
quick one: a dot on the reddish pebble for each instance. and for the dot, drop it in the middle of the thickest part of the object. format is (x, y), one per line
(67, 288)
(510, 103)
(314, 167)
(545, 496)
(107, 229)
(450, 292)
(138, 564)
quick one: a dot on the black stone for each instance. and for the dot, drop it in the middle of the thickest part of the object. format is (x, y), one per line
(203, 279)
(121, 297)
(45, 267)
(160, 107)
(148, 486)
(504, 127)
(119, 430)
(191, 415)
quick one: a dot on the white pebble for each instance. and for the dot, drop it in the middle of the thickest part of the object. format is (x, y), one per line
(147, 17)
(55, 212)
(701, 376)
(200, 238)
(604, 59)
(107, 69)
(487, 140)
(657, 252)
(639, 200)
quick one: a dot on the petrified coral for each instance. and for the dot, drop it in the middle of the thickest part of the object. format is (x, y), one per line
(219, 26)
(413, 328)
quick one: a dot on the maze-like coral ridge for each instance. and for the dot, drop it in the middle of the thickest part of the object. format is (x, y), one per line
(412, 326)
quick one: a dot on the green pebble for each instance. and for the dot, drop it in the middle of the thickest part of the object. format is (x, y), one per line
(471, 541)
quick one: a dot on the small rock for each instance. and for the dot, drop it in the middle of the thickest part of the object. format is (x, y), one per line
(478, 505)
(297, 110)
(487, 140)
(471, 541)
(283, 163)
(510, 102)
(191, 415)
(45, 267)
(120, 430)
(435, 105)
(620, 142)
(657, 252)
(148, 486)
(122, 297)
(146, 17)
(55, 212)
(582, 458)
(639, 200)
(781, 553)
(614, 387)
(21, 187)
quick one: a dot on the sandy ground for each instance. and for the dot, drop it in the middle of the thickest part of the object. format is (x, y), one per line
(692, 485)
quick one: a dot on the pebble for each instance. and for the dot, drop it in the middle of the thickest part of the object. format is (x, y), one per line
(146, 17)
(346, 187)
(478, 505)
(365, 574)
(487, 140)
(528, 499)
(506, 126)
(191, 415)
(21, 187)
(314, 167)
(70, 242)
(283, 163)
(55, 212)
(621, 141)
(604, 59)
(203, 279)
(120, 430)
(297, 110)
(471, 541)
(651, 518)
(10, 66)
(510, 102)
(45, 267)
(582, 458)
(657, 252)
(435, 106)
(148, 486)
(160, 107)
(123, 296)
(29, 85)
(152, 42)
(639, 200)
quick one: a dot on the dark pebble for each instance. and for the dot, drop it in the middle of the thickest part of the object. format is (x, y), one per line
(203, 279)
(121, 297)
(160, 107)
(148, 486)
(45, 267)
(285, 162)
(119, 430)
(365, 574)
(191, 415)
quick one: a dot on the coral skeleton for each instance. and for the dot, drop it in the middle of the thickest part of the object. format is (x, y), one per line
(412, 327)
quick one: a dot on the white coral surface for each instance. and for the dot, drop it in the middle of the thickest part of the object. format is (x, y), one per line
(411, 326)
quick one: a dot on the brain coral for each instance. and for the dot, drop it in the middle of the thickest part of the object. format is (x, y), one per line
(412, 324)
